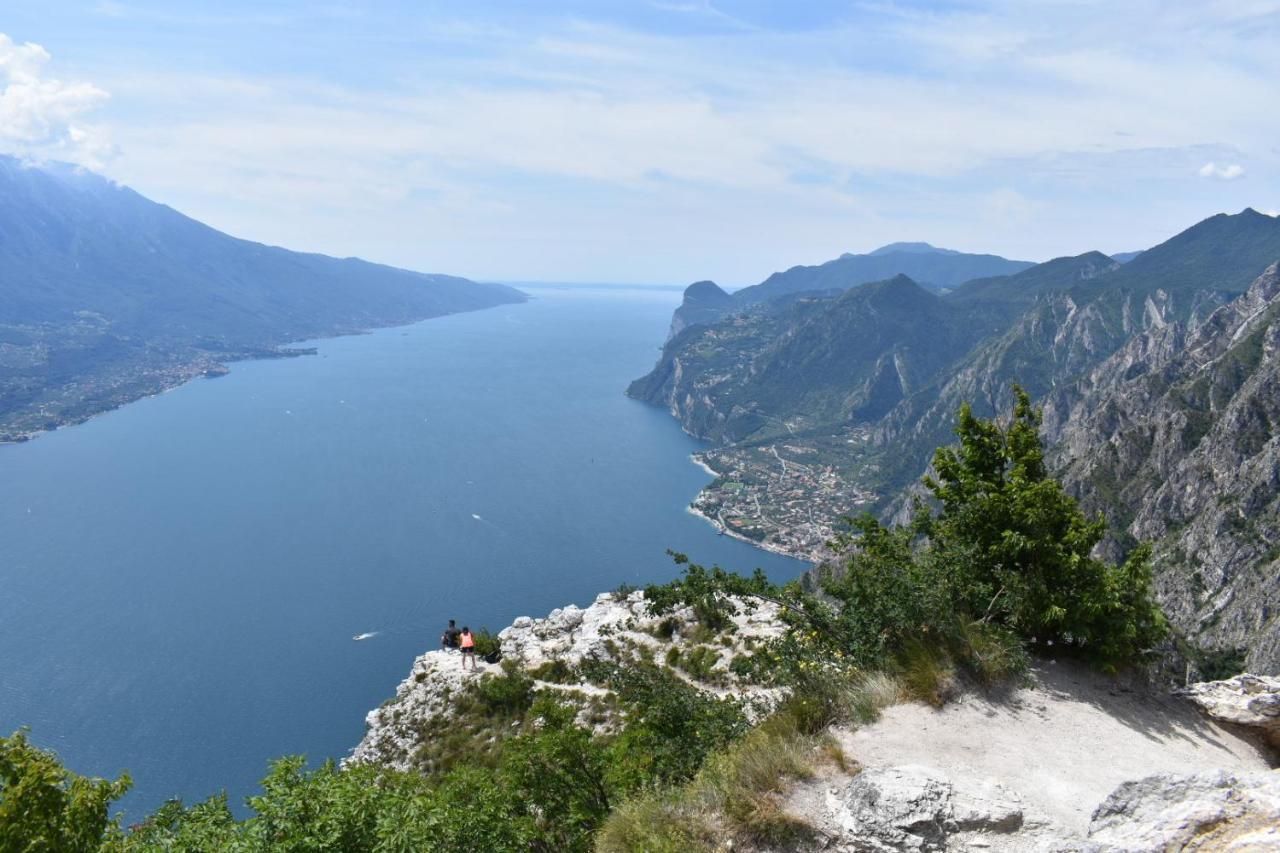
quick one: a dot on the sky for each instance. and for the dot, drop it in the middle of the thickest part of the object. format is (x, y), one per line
(659, 141)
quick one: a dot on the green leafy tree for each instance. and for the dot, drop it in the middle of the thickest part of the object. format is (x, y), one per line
(1014, 548)
(174, 828)
(45, 807)
(559, 776)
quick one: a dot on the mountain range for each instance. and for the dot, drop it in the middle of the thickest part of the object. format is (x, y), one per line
(1158, 377)
(933, 268)
(106, 296)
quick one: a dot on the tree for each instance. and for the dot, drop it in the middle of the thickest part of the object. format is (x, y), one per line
(1017, 549)
(45, 807)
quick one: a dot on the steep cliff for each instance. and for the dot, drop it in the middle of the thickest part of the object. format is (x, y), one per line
(1175, 436)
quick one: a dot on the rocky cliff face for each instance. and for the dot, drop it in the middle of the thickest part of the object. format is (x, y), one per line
(1175, 436)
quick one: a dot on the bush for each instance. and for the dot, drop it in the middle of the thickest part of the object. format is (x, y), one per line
(488, 647)
(1013, 548)
(699, 662)
(746, 782)
(669, 726)
(44, 806)
(657, 823)
(555, 671)
(507, 695)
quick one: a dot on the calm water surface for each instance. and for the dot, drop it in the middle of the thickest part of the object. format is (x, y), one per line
(180, 580)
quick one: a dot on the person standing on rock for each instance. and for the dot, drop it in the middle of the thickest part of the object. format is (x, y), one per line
(468, 642)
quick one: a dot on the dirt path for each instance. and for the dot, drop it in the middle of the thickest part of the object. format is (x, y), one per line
(1062, 745)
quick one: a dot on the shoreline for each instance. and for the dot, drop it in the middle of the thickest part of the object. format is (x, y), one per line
(220, 368)
(696, 459)
(763, 546)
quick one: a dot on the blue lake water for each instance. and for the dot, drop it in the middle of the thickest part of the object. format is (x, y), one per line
(180, 579)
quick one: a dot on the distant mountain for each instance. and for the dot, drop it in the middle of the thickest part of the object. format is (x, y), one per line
(932, 268)
(910, 248)
(1124, 257)
(1160, 393)
(704, 302)
(106, 296)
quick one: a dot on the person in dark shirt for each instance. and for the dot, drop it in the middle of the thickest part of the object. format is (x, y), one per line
(449, 639)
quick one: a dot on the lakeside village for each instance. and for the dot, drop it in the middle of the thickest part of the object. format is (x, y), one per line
(787, 496)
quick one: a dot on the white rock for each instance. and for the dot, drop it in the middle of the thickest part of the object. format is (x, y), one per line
(569, 634)
(917, 808)
(1205, 811)
(1252, 701)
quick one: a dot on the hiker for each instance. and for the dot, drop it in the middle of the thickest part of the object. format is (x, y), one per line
(449, 639)
(468, 642)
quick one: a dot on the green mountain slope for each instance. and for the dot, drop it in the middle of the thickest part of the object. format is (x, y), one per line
(106, 296)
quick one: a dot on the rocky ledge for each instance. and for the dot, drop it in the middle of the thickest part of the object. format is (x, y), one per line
(612, 628)
(1247, 701)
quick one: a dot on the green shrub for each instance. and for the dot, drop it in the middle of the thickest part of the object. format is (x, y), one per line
(655, 823)
(555, 671)
(487, 644)
(745, 783)
(1013, 548)
(508, 694)
(699, 662)
(669, 726)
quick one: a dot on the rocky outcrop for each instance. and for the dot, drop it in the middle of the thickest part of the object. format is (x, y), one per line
(917, 808)
(1248, 701)
(1201, 812)
(611, 628)
(704, 302)
(1026, 769)
(913, 808)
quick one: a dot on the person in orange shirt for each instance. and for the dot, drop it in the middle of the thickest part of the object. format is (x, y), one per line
(468, 643)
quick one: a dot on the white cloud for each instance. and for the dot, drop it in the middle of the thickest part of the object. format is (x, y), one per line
(41, 116)
(1227, 172)
(1006, 129)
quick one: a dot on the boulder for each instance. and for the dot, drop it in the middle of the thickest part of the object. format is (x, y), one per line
(1251, 701)
(1201, 812)
(917, 808)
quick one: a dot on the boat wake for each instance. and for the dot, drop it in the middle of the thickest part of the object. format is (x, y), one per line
(366, 636)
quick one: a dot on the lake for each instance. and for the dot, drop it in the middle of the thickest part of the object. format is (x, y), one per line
(181, 579)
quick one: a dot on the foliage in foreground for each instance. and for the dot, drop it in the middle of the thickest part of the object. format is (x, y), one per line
(45, 807)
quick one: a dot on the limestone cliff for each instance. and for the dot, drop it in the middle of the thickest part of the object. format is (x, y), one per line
(1175, 437)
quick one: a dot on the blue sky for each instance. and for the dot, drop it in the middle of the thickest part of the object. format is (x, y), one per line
(661, 141)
